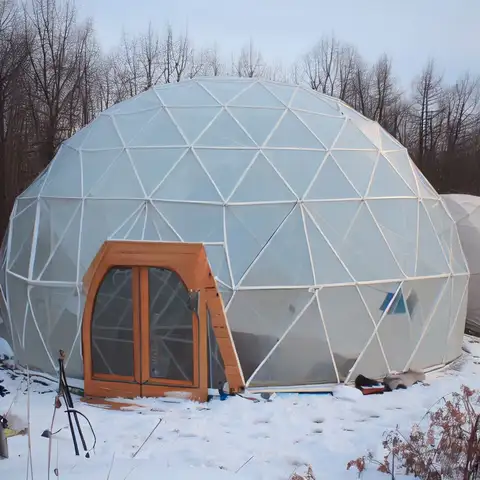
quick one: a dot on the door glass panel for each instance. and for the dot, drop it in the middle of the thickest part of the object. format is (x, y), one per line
(171, 327)
(112, 325)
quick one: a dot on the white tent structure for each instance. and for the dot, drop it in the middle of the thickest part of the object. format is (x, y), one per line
(465, 210)
(333, 254)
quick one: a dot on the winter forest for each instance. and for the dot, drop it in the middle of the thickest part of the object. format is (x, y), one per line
(55, 78)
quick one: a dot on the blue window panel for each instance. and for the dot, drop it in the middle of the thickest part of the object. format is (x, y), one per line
(398, 305)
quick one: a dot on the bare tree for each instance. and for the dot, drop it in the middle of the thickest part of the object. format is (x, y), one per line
(14, 50)
(214, 65)
(426, 111)
(56, 75)
(150, 58)
(177, 55)
(250, 62)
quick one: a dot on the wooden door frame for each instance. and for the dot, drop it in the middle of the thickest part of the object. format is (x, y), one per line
(189, 261)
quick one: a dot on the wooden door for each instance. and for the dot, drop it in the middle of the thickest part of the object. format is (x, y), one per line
(115, 333)
(145, 323)
(169, 331)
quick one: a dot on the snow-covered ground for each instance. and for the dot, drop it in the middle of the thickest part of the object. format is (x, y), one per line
(233, 439)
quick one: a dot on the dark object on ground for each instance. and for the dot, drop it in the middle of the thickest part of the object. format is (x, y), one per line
(3, 443)
(369, 386)
(3, 391)
(63, 391)
(403, 380)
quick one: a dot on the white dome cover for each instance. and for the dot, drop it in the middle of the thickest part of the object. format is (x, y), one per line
(326, 241)
(465, 210)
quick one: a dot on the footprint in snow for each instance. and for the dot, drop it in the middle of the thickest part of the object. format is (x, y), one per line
(260, 421)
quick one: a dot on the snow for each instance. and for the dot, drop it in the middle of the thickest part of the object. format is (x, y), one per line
(5, 349)
(235, 439)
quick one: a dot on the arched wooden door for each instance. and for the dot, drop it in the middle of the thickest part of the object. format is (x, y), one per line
(145, 321)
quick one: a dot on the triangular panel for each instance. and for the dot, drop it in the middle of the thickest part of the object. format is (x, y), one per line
(102, 134)
(76, 140)
(132, 229)
(458, 264)
(368, 127)
(132, 124)
(297, 167)
(164, 230)
(442, 223)
(136, 231)
(386, 182)
(58, 217)
(256, 96)
(258, 319)
(353, 233)
(218, 262)
(262, 184)
(282, 92)
(36, 186)
(326, 129)
(95, 164)
(285, 260)
(35, 353)
(120, 181)
(331, 183)
(314, 366)
(348, 325)
(388, 142)
(457, 327)
(431, 258)
(193, 121)
(65, 175)
(100, 220)
(357, 165)
(291, 132)
(334, 218)
(304, 100)
(398, 222)
(151, 233)
(327, 266)
(402, 163)
(21, 240)
(394, 330)
(424, 187)
(223, 91)
(372, 362)
(225, 167)
(153, 164)
(432, 347)
(258, 123)
(352, 137)
(158, 132)
(21, 204)
(185, 94)
(248, 229)
(194, 222)
(63, 264)
(224, 132)
(144, 101)
(187, 181)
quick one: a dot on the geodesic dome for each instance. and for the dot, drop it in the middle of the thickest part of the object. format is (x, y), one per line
(333, 253)
(465, 210)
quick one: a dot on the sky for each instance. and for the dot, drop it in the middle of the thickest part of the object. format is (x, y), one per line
(410, 31)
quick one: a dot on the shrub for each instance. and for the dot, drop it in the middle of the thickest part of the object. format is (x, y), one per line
(448, 449)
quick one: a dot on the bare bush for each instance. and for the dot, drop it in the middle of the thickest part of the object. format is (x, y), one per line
(448, 449)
